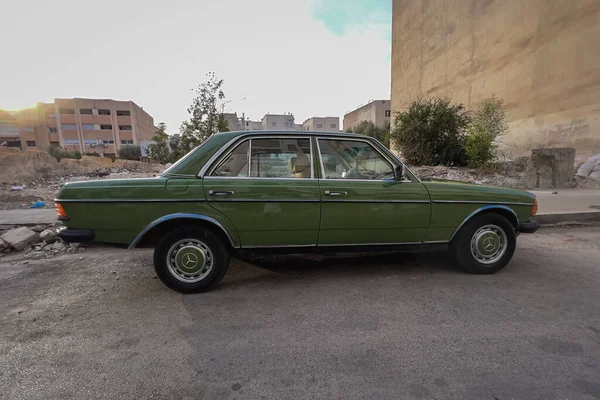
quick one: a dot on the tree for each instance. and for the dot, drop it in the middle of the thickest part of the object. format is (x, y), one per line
(487, 124)
(432, 132)
(368, 128)
(159, 151)
(206, 113)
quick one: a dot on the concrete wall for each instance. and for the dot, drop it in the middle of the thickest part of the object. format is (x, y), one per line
(541, 56)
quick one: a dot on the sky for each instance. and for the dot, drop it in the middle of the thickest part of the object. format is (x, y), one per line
(307, 57)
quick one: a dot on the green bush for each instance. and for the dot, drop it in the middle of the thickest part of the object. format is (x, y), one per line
(60, 153)
(368, 128)
(487, 124)
(130, 152)
(432, 132)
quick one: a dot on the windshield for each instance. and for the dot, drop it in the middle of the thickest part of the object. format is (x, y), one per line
(194, 150)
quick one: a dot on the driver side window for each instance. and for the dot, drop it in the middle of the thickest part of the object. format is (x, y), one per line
(351, 159)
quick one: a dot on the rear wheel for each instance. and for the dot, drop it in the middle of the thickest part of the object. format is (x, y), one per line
(191, 260)
(485, 244)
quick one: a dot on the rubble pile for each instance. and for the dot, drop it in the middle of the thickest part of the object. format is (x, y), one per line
(41, 241)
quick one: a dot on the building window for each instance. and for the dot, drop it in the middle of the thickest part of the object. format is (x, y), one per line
(123, 113)
(66, 111)
(273, 124)
(103, 112)
(387, 113)
(51, 116)
(124, 127)
(319, 125)
(54, 144)
(52, 130)
(85, 111)
(106, 127)
(31, 143)
(333, 126)
(71, 141)
(247, 123)
(126, 141)
(108, 141)
(90, 141)
(28, 129)
(88, 127)
(69, 127)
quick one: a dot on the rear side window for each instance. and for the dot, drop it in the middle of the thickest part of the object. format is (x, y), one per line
(269, 158)
(280, 158)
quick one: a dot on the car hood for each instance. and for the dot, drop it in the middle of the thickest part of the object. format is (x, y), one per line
(447, 190)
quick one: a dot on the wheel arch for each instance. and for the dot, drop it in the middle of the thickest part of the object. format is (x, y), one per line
(505, 211)
(154, 230)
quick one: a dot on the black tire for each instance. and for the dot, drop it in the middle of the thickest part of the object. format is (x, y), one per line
(483, 231)
(198, 245)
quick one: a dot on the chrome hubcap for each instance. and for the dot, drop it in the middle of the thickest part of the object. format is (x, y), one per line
(488, 244)
(190, 260)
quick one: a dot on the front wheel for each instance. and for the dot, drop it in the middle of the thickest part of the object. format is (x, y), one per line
(191, 260)
(485, 244)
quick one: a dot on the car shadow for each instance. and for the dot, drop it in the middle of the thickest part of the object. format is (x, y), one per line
(248, 269)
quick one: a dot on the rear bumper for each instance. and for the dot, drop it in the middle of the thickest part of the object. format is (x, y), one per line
(529, 227)
(70, 235)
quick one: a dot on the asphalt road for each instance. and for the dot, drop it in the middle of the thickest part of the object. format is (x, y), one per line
(396, 326)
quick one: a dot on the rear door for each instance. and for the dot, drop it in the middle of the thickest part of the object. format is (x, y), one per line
(266, 186)
(362, 202)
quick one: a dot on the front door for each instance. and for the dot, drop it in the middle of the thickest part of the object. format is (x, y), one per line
(362, 203)
(266, 187)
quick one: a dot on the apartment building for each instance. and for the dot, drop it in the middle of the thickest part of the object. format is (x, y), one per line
(323, 124)
(376, 111)
(85, 125)
(278, 122)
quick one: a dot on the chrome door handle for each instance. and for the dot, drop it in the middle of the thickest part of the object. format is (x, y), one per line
(335, 193)
(220, 192)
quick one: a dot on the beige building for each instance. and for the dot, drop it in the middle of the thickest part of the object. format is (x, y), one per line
(279, 122)
(541, 57)
(323, 124)
(85, 125)
(376, 111)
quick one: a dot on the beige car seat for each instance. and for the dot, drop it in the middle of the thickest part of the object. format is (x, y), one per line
(299, 166)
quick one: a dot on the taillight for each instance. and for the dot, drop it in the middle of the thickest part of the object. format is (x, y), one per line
(62, 214)
(534, 210)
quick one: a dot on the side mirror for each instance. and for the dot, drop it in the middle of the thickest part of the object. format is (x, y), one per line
(399, 172)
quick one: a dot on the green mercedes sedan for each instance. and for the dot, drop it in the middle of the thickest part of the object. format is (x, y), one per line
(294, 192)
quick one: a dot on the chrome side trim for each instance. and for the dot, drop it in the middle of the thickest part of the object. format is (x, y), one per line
(374, 201)
(436, 242)
(282, 246)
(259, 178)
(369, 244)
(169, 217)
(511, 203)
(490, 207)
(129, 200)
(234, 200)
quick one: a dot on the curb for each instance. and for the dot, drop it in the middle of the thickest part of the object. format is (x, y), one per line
(554, 218)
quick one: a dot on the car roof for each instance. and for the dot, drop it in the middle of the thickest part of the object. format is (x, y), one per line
(234, 134)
